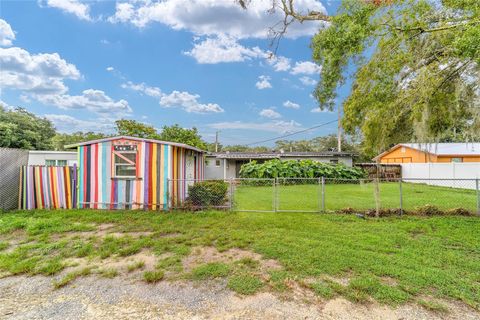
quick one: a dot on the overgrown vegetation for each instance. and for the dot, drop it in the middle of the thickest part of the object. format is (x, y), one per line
(417, 255)
(207, 193)
(299, 169)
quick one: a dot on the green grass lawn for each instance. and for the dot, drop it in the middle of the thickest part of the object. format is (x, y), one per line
(358, 196)
(392, 260)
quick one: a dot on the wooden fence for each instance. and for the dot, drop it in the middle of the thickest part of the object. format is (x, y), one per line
(47, 187)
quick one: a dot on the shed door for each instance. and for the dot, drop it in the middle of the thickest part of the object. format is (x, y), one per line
(190, 168)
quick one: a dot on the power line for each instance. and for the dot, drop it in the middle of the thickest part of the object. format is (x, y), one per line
(293, 133)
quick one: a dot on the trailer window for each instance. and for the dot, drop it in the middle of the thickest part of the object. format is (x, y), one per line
(125, 161)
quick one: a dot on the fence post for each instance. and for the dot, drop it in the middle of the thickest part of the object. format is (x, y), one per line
(323, 194)
(477, 183)
(275, 195)
(401, 196)
(231, 194)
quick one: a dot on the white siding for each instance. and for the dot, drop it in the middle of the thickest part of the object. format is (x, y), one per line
(38, 158)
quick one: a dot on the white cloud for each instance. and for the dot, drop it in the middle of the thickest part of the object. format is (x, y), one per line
(6, 34)
(318, 110)
(110, 69)
(69, 124)
(223, 49)
(143, 88)
(75, 7)
(6, 105)
(213, 17)
(42, 73)
(280, 63)
(188, 102)
(307, 81)
(270, 113)
(306, 67)
(93, 100)
(290, 104)
(263, 83)
(278, 126)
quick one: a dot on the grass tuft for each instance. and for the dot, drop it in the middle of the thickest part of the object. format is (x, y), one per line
(210, 271)
(153, 276)
(433, 306)
(71, 277)
(245, 284)
(135, 266)
(108, 273)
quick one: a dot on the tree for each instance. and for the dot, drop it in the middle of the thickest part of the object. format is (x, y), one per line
(60, 140)
(24, 130)
(135, 129)
(421, 81)
(416, 62)
(175, 133)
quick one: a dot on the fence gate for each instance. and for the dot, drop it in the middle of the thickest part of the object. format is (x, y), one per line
(11, 160)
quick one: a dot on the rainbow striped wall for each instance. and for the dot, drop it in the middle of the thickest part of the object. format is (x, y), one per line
(43, 187)
(157, 165)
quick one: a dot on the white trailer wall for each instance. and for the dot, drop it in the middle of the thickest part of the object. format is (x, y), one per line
(447, 171)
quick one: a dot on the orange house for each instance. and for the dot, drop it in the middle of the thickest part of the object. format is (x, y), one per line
(431, 152)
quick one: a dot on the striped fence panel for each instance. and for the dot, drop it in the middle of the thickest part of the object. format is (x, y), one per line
(47, 187)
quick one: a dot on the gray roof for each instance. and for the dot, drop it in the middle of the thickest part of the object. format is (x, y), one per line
(277, 155)
(176, 144)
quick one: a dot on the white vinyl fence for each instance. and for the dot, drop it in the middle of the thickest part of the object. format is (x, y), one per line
(442, 171)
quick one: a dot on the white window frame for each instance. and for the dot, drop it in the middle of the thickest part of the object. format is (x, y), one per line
(115, 164)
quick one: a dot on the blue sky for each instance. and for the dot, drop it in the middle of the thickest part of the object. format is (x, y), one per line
(197, 63)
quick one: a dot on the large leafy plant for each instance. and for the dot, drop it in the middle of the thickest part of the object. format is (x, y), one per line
(299, 169)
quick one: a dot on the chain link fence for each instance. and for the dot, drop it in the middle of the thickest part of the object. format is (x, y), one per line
(11, 160)
(330, 195)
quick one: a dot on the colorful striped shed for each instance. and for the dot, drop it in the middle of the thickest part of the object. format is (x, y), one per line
(135, 173)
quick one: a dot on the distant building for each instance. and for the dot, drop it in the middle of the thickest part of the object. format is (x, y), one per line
(226, 165)
(51, 158)
(431, 152)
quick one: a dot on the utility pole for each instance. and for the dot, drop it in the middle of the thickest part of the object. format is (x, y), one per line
(216, 141)
(339, 129)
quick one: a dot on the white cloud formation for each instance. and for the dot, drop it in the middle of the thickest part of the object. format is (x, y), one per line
(277, 126)
(214, 17)
(307, 81)
(306, 67)
(270, 113)
(69, 124)
(290, 104)
(90, 99)
(318, 110)
(41, 73)
(143, 88)
(223, 49)
(263, 83)
(6, 34)
(75, 7)
(279, 63)
(110, 69)
(188, 102)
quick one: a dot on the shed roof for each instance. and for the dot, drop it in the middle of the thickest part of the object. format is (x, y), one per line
(277, 155)
(176, 144)
(440, 149)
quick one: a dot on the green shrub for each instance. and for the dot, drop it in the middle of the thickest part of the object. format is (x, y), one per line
(299, 169)
(208, 193)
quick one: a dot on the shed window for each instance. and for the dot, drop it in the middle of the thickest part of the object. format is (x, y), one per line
(217, 163)
(125, 164)
(50, 163)
(53, 162)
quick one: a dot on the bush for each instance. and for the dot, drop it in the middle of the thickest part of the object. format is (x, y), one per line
(299, 169)
(207, 193)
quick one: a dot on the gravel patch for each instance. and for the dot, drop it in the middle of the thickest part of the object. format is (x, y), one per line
(92, 297)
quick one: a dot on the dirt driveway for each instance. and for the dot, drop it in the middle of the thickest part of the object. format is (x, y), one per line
(122, 298)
